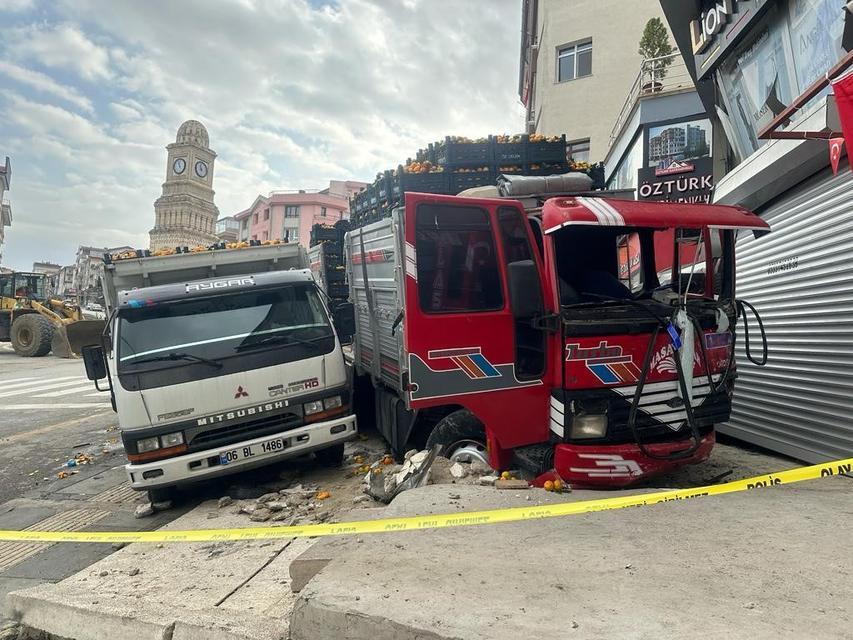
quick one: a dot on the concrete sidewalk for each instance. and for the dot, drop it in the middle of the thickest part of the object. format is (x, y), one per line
(766, 563)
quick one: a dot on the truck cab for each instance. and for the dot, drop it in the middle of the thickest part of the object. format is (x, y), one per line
(588, 338)
(222, 374)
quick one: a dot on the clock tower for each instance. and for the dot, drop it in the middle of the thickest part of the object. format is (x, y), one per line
(184, 215)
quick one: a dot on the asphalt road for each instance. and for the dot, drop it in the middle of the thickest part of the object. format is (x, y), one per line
(49, 412)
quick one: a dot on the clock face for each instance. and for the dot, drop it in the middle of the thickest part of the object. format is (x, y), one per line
(201, 169)
(179, 166)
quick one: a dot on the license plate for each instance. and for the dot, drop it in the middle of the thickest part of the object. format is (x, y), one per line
(253, 451)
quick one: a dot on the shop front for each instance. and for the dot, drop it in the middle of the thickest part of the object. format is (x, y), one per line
(752, 60)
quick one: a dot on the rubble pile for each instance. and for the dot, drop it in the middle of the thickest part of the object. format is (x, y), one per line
(298, 504)
(384, 480)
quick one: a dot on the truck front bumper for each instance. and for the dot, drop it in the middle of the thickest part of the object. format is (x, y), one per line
(201, 465)
(623, 464)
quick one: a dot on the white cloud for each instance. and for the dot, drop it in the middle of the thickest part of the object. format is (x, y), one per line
(15, 5)
(62, 47)
(45, 84)
(292, 96)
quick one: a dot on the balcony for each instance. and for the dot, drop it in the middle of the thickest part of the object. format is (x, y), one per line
(657, 77)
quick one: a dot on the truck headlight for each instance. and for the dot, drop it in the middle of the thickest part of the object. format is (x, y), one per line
(315, 406)
(147, 444)
(332, 403)
(589, 425)
(172, 439)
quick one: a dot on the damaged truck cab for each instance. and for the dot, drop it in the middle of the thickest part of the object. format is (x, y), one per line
(582, 337)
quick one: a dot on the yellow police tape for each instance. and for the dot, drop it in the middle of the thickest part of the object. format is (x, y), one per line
(385, 525)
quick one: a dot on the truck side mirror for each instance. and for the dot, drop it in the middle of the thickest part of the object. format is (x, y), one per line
(96, 364)
(525, 290)
(343, 317)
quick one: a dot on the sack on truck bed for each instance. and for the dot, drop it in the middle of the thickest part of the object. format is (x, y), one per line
(510, 185)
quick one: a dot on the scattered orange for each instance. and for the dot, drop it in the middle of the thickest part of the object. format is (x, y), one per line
(548, 486)
(323, 495)
(558, 485)
(506, 475)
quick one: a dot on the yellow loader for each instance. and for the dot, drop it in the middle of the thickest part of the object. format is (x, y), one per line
(36, 324)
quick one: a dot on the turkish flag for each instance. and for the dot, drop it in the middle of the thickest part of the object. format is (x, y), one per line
(843, 90)
(835, 146)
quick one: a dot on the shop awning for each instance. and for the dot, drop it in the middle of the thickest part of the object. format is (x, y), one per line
(562, 212)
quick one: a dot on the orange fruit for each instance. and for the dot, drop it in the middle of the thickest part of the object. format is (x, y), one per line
(558, 485)
(549, 486)
(323, 495)
(506, 475)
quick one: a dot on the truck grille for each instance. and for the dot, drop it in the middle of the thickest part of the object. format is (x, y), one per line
(223, 436)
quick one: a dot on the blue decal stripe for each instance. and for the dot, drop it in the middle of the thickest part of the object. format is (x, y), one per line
(485, 365)
(603, 373)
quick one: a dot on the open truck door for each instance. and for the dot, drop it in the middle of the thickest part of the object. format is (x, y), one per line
(475, 300)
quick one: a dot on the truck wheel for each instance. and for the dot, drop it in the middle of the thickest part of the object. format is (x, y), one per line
(462, 437)
(164, 494)
(31, 335)
(331, 457)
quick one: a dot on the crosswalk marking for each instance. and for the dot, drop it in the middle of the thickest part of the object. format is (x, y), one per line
(64, 392)
(42, 387)
(97, 394)
(31, 382)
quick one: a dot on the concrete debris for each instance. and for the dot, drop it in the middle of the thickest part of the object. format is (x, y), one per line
(511, 483)
(260, 515)
(268, 497)
(439, 472)
(225, 501)
(458, 471)
(409, 454)
(488, 481)
(276, 506)
(163, 505)
(419, 457)
(479, 467)
(144, 510)
(248, 509)
(362, 499)
(133, 572)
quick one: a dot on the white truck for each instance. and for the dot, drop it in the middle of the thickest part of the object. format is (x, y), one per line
(221, 361)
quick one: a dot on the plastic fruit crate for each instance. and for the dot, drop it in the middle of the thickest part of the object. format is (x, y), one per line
(459, 181)
(437, 182)
(509, 153)
(459, 154)
(539, 152)
(546, 168)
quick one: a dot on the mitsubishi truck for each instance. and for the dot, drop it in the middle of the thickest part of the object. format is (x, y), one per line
(582, 337)
(220, 361)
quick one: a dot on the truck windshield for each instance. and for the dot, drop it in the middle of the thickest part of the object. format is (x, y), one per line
(222, 326)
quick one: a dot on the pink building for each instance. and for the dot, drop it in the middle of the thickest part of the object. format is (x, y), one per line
(291, 214)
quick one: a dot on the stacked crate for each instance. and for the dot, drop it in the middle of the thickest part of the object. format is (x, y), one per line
(456, 164)
(332, 259)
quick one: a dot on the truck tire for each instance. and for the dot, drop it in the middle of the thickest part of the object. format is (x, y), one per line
(462, 437)
(332, 456)
(31, 335)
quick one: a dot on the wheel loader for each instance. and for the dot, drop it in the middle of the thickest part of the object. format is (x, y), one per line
(36, 324)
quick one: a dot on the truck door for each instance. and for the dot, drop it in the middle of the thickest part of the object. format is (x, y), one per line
(466, 335)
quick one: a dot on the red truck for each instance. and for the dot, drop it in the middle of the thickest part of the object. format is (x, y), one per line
(589, 338)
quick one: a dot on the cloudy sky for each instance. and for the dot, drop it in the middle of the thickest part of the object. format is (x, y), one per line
(293, 93)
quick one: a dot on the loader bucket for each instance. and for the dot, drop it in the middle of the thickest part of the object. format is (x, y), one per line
(69, 339)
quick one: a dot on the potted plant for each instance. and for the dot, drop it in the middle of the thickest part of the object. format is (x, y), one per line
(657, 55)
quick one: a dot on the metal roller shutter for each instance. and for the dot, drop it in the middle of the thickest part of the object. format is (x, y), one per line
(800, 278)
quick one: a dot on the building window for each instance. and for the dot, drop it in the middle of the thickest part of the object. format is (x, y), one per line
(255, 219)
(291, 234)
(291, 211)
(578, 151)
(574, 61)
(322, 212)
(266, 214)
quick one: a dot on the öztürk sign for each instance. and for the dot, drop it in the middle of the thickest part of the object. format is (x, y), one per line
(709, 24)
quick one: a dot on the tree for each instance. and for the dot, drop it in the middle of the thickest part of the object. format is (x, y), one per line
(656, 50)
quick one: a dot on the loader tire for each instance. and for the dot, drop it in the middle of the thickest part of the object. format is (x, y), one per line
(31, 335)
